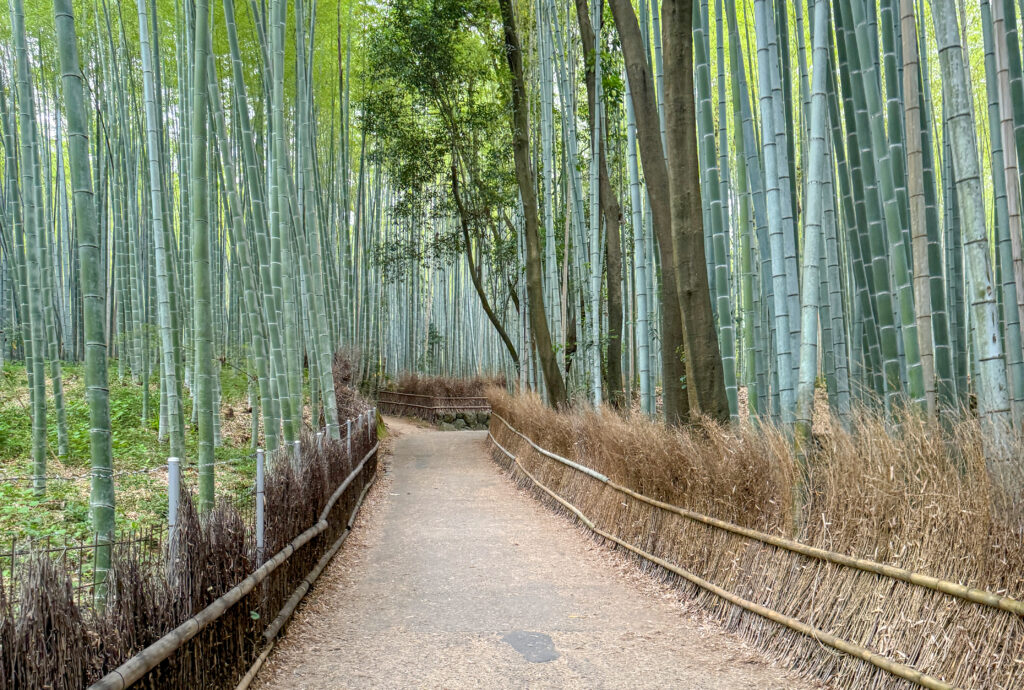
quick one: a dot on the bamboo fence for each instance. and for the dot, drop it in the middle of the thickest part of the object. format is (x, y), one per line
(894, 627)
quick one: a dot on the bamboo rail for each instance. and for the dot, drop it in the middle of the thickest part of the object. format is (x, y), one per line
(132, 670)
(434, 397)
(972, 594)
(390, 402)
(270, 634)
(894, 667)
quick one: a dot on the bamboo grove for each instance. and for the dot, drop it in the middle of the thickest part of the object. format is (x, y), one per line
(177, 197)
(717, 206)
(703, 208)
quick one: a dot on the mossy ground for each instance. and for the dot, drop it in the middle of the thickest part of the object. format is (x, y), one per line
(141, 499)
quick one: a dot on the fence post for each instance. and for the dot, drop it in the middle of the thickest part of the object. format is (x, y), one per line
(173, 495)
(297, 454)
(260, 501)
(348, 437)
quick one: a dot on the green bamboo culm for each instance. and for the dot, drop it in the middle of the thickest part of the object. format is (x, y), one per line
(773, 197)
(993, 396)
(202, 308)
(33, 282)
(271, 400)
(169, 354)
(813, 245)
(101, 499)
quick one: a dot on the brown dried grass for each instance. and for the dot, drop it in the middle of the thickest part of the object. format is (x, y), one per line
(920, 499)
(345, 370)
(47, 641)
(446, 386)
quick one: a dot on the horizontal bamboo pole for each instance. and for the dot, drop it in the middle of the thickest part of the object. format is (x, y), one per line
(454, 408)
(565, 461)
(293, 601)
(901, 670)
(438, 397)
(972, 594)
(143, 662)
(270, 634)
(132, 670)
(250, 676)
(348, 480)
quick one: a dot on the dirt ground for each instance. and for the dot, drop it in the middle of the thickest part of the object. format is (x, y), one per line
(454, 578)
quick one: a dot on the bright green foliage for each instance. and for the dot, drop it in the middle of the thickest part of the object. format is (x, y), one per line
(203, 191)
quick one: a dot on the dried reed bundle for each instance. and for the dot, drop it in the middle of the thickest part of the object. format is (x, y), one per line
(46, 640)
(919, 499)
(446, 387)
(349, 401)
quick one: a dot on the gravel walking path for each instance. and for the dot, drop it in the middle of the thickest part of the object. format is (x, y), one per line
(454, 578)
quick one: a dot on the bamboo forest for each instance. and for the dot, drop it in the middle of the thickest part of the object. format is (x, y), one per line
(734, 286)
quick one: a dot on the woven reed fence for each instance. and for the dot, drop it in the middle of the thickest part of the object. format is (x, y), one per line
(204, 612)
(430, 408)
(852, 622)
(76, 556)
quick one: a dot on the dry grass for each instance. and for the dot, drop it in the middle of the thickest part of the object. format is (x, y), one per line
(446, 387)
(349, 401)
(920, 499)
(48, 641)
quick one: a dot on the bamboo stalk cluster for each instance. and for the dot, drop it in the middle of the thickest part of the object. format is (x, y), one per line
(700, 208)
(852, 197)
(177, 197)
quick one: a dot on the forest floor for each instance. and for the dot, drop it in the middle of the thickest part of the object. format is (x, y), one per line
(453, 577)
(141, 498)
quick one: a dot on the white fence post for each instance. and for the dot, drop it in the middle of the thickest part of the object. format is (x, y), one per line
(173, 495)
(348, 437)
(260, 501)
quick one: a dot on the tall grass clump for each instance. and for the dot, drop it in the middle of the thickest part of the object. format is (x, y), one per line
(918, 497)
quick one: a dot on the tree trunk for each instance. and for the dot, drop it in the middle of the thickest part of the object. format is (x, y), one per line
(652, 156)
(528, 192)
(474, 272)
(704, 374)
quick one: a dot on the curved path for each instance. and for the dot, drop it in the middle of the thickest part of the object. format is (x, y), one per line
(454, 578)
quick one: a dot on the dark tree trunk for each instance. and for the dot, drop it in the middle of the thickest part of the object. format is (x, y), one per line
(528, 192)
(652, 155)
(474, 271)
(704, 375)
(612, 216)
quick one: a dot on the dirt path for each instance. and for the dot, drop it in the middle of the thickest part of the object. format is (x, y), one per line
(454, 578)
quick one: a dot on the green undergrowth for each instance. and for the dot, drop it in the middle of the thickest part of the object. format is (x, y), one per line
(141, 499)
